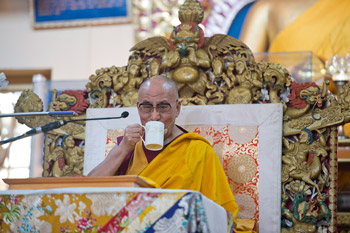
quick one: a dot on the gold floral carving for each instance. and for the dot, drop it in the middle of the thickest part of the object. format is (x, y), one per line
(333, 179)
(29, 102)
(156, 17)
(343, 221)
(318, 119)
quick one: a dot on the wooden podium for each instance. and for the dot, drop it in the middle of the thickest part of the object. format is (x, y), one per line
(71, 182)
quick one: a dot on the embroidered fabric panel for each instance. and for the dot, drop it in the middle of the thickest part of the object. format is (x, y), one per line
(185, 215)
(104, 212)
(82, 212)
(112, 135)
(238, 151)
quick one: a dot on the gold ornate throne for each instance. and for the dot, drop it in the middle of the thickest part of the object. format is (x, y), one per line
(212, 71)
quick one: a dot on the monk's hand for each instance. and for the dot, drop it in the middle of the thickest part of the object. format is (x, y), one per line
(132, 135)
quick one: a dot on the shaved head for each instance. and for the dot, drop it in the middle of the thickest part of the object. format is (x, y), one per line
(161, 82)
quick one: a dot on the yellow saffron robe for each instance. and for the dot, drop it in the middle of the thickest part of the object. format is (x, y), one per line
(324, 29)
(189, 162)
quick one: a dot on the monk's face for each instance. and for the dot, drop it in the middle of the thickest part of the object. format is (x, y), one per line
(162, 100)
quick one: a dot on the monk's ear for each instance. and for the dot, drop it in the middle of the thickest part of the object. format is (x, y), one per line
(137, 105)
(178, 108)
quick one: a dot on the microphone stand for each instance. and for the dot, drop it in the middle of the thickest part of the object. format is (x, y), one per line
(20, 114)
(56, 125)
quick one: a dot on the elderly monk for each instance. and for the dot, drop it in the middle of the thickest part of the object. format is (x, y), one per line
(187, 161)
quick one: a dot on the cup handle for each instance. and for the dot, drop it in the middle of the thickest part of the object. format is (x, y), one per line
(141, 136)
(142, 140)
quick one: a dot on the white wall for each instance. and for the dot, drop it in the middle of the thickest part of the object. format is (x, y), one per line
(71, 53)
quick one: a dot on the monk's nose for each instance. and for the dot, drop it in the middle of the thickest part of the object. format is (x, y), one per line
(155, 116)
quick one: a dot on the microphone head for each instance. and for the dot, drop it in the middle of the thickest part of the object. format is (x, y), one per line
(125, 114)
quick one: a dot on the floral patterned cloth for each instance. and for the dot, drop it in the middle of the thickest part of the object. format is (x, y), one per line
(238, 151)
(113, 210)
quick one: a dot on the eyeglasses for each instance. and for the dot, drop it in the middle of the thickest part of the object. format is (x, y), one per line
(161, 107)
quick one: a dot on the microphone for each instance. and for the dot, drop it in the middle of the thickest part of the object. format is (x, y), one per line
(58, 124)
(125, 114)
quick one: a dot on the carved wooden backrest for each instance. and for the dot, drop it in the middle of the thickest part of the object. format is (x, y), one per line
(216, 70)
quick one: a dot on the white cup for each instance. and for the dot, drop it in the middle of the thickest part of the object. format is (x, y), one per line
(154, 135)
